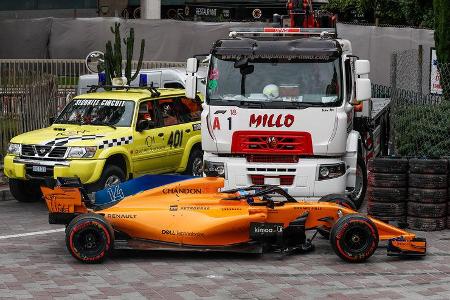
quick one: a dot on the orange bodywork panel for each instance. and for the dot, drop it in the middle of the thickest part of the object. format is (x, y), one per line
(195, 213)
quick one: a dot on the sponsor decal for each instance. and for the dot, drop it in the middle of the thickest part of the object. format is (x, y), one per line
(60, 141)
(182, 233)
(120, 216)
(173, 208)
(217, 112)
(231, 208)
(182, 191)
(150, 141)
(96, 102)
(261, 230)
(271, 120)
(272, 142)
(197, 126)
(194, 208)
(115, 193)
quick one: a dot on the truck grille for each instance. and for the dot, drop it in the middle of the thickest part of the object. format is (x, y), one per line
(284, 179)
(272, 143)
(273, 158)
(43, 151)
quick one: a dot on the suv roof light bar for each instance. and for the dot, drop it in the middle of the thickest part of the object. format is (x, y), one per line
(275, 31)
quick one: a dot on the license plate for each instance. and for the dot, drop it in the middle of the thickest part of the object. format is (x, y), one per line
(40, 169)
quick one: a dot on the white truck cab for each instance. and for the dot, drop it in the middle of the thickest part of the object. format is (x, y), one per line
(288, 108)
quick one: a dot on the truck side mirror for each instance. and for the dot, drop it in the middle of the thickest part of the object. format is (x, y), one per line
(191, 78)
(363, 89)
(192, 65)
(362, 67)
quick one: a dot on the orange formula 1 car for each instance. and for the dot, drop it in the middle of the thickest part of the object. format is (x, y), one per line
(194, 215)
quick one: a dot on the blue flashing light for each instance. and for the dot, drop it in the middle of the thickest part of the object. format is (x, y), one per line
(142, 79)
(101, 78)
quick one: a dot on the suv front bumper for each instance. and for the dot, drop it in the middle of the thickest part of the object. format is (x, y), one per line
(88, 170)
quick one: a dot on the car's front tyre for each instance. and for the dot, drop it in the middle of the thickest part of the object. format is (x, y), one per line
(111, 175)
(25, 190)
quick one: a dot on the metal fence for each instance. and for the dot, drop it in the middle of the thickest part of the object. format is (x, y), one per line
(26, 103)
(420, 122)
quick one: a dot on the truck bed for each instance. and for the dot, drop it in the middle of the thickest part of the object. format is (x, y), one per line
(379, 106)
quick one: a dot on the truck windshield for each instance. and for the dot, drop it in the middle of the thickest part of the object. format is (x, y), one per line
(274, 82)
(97, 112)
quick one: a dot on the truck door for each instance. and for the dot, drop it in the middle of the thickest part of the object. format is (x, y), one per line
(150, 147)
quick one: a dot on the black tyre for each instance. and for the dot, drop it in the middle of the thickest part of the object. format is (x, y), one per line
(390, 165)
(195, 163)
(427, 210)
(358, 194)
(342, 200)
(428, 166)
(391, 195)
(354, 238)
(427, 224)
(388, 180)
(89, 238)
(382, 209)
(427, 195)
(448, 222)
(111, 175)
(25, 190)
(428, 181)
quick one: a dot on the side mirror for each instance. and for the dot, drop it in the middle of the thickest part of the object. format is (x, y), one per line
(192, 65)
(363, 89)
(95, 62)
(362, 67)
(144, 125)
(191, 86)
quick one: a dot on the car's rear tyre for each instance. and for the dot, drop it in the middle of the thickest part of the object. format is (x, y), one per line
(195, 163)
(358, 194)
(89, 238)
(354, 238)
(25, 190)
(111, 175)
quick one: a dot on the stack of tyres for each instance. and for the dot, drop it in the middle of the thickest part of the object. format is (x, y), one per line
(388, 189)
(427, 194)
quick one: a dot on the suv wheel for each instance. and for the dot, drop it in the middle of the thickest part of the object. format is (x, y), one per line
(24, 190)
(111, 175)
(195, 163)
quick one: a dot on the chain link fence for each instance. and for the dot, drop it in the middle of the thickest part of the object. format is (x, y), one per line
(420, 120)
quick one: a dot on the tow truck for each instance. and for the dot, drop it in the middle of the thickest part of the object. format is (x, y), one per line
(290, 106)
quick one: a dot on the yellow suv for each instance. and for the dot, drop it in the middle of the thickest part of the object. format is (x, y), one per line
(105, 138)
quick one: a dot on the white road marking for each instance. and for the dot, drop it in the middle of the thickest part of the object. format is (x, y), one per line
(4, 237)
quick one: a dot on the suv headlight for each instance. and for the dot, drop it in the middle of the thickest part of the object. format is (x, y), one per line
(214, 169)
(81, 152)
(14, 149)
(331, 171)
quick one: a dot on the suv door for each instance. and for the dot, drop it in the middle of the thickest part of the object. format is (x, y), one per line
(178, 116)
(150, 147)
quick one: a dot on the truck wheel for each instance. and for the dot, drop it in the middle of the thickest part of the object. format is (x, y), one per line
(388, 165)
(89, 238)
(111, 175)
(354, 238)
(24, 190)
(359, 192)
(195, 163)
(428, 166)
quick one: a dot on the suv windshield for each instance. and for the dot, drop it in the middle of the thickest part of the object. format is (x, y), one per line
(97, 112)
(268, 82)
